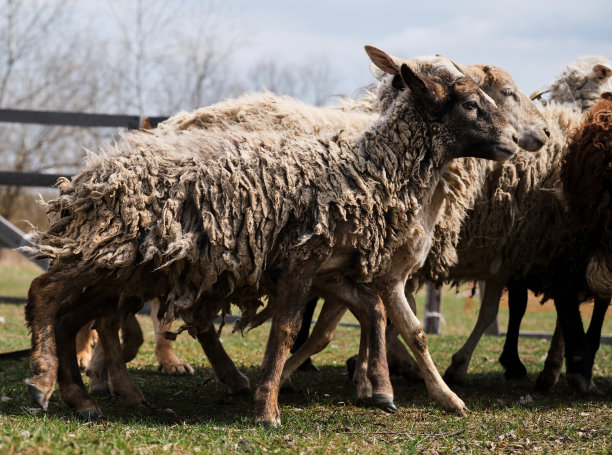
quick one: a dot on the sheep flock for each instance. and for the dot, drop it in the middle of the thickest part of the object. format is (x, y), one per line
(442, 173)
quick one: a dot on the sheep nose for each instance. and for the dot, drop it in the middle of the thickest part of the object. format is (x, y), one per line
(547, 132)
(515, 139)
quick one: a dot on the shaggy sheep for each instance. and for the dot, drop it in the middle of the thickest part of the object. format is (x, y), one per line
(208, 218)
(461, 184)
(250, 112)
(264, 112)
(586, 175)
(580, 84)
(585, 83)
(488, 251)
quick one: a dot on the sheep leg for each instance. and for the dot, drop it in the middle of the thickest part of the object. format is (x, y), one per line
(549, 375)
(411, 330)
(131, 337)
(321, 336)
(517, 304)
(578, 356)
(120, 382)
(371, 374)
(223, 366)
(70, 318)
(97, 372)
(169, 363)
(398, 357)
(302, 335)
(291, 295)
(597, 319)
(457, 371)
(85, 340)
(594, 332)
(47, 292)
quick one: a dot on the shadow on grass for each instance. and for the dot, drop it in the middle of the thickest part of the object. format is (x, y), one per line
(200, 399)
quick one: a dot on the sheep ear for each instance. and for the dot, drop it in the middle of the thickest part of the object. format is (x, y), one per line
(602, 71)
(382, 60)
(424, 89)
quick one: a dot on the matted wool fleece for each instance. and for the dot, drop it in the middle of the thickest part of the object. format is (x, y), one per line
(229, 204)
(587, 186)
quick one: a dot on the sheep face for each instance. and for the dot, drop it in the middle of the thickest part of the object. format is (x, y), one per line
(475, 124)
(521, 112)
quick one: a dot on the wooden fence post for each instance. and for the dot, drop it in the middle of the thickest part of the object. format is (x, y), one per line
(433, 308)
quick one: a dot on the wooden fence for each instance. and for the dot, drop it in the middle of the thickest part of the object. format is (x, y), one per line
(11, 236)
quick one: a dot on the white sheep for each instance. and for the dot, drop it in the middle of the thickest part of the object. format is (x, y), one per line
(580, 84)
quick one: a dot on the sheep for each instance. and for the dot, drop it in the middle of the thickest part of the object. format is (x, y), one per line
(250, 112)
(461, 183)
(587, 179)
(585, 80)
(522, 189)
(481, 254)
(265, 111)
(580, 83)
(341, 204)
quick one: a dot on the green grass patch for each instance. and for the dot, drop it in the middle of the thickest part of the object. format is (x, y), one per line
(196, 414)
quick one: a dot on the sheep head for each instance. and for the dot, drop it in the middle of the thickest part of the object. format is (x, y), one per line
(519, 109)
(580, 83)
(476, 125)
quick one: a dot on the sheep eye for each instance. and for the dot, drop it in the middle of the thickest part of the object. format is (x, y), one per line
(507, 92)
(470, 105)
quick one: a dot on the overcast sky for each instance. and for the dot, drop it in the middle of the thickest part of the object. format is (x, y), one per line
(533, 40)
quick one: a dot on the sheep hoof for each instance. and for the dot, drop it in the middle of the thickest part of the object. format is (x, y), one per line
(90, 414)
(594, 390)
(177, 369)
(384, 402)
(41, 397)
(513, 369)
(462, 411)
(271, 421)
(579, 383)
(268, 423)
(545, 382)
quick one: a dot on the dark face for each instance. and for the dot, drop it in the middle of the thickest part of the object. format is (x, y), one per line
(479, 128)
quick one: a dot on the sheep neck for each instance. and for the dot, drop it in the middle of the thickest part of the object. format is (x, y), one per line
(404, 156)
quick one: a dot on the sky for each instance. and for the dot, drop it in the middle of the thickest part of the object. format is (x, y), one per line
(533, 40)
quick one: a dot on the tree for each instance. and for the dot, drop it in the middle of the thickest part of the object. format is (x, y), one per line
(313, 81)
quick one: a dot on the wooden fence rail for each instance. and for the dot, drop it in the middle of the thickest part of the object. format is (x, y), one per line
(11, 236)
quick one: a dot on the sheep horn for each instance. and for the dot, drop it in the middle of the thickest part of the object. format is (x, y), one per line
(538, 94)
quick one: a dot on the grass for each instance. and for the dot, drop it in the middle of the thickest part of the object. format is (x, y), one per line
(196, 414)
